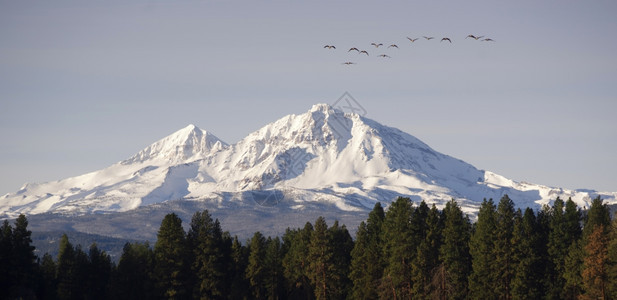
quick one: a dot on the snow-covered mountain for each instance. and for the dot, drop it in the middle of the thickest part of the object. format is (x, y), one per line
(321, 156)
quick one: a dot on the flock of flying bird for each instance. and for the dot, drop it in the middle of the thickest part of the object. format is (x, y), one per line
(428, 38)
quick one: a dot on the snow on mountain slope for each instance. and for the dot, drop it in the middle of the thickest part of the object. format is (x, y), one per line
(323, 155)
(120, 187)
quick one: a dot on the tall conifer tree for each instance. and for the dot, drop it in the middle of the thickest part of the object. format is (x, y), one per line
(367, 262)
(134, 273)
(296, 262)
(256, 271)
(527, 282)
(171, 263)
(427, 256)
(503, 251)
(208, 256)
(321, 263)
(399, 250)
(595, 270)
(481, 248)
(454, 254)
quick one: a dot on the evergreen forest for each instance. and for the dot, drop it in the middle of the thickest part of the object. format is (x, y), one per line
(409, 251)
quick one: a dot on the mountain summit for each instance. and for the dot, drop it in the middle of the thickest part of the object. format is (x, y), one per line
(188, 143)
(322, 156)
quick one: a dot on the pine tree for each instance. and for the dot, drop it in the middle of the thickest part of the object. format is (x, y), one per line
(99, 273)
(454, 254)
(563, 232)
(6, 256)
(595, 272)
(296, 262)
(134, 274)
(48, 286)
(543, 218)
(598, 214)
(612, 260)
(399, 250)
(363, 287)
(24, 260)
(321, 265)
(572, 221)
(342, 245)
(67, 273)
(528, 276)
(239, 285)
(593, 251)
(481, 248)
(503, 254)
(367, 260)
(82, 265)
(256, 271)
(208, 258)
(170, 256)
(573, 264)
(274, 280)
(427, 256)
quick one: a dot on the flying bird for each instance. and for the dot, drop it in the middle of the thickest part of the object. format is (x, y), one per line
(412, 40)
(348, 63)
(384, 55)
(446, 39)
(393, 46)
(377, 45)
(363, 51)
(428, 38)
(354, 48)
(488, 40)
(329, 47)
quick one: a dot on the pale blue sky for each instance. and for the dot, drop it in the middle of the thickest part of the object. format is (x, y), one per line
(85, 84)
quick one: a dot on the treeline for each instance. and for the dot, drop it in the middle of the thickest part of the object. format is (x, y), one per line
(410, 251)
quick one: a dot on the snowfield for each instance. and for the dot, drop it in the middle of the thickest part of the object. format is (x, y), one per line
(324, 156)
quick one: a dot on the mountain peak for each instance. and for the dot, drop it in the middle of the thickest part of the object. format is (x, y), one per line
(191, 127)
(187, 143)
(321, 156)
(322, 107)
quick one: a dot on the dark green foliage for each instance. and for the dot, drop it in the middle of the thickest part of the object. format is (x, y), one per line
(503, 251)
(274, 280)
(321, 268)
(256, 269)
(527, 282)
(238, 263)
(564, 231)
(23, 262)
(573, 264)
(595, 263)
(170, 256)
(67, 276)
(17, 260)
(597, 215)
(6, 256)
(408, 252)
(427, 256)
(612, 260)
(296, 262)
(367, 262)
(98, 272)
(134, 274)
(481, 249)
(208, 257)
(47, 272)
(451, 277)
(342, 245)
(399, 249)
